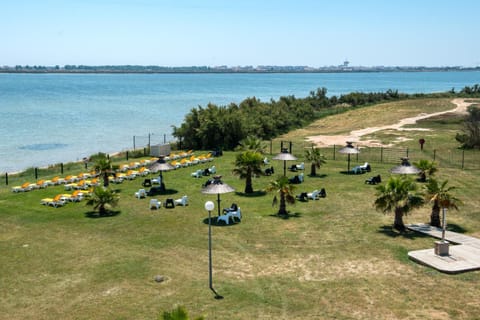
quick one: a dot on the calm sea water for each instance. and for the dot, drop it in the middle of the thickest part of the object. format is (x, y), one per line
(52, 118)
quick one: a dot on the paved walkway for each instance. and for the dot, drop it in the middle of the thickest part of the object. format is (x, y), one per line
(464, 251)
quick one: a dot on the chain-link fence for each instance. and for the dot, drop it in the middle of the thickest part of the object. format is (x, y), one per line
(151, 139)
(447, 158)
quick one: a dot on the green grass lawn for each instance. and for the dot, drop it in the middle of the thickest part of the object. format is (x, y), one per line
(333, 258)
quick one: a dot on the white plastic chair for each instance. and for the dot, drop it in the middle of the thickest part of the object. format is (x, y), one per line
(212, 170)
(141, 193)
(225, 218)
(183, 201)
(197, 174)
(300, 177)
(301, 166)
(236, 214)
(313, 195)
(154, 203)
(157, 180)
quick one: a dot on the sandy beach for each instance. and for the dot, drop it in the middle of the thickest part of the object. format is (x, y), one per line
(356, 135)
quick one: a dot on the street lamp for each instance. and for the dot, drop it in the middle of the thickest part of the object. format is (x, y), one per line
(209, 206)
(444, 224)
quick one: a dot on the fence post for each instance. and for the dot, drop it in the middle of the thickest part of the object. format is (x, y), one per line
(434, 154)
(36, 173)
(133, 142)
(6, 178)
(333, 152)
(127, 154)
(61, 167)
(164, 138)
(407, 152)
(381, 154)
(145, 150)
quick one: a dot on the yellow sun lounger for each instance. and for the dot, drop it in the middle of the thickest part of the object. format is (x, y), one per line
(27, 186)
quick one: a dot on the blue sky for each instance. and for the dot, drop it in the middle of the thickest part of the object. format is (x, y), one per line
(238, 33)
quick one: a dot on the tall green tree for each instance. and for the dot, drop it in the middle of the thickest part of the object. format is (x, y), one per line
(426, 167)
(316, 158)
(286, 191)
(441, 197)
(470, 136)
(247, 164)
(399, 195)
(252, 143)
(103, 199)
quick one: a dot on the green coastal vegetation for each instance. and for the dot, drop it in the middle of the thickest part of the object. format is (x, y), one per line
(339, 257)
(224, 126)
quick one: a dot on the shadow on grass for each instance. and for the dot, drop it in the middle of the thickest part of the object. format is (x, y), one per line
(286, 216)
(407, 234)
(320, 176)
(455, 228)
(216, 223)
(158, 192)
(259, 193)
(96, 215)
(350, 173)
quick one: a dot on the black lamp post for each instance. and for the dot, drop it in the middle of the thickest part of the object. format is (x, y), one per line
(209, 207)
(216, 187)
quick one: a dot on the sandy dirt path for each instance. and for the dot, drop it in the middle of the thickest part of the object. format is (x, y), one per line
(356, 135)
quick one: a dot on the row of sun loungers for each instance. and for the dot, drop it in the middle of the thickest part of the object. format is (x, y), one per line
(43, 183)
(192, 160)
(63, 198)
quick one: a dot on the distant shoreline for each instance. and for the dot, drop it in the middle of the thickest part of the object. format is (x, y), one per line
(219, 70)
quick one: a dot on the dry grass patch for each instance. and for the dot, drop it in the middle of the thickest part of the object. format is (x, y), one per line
(385, 114)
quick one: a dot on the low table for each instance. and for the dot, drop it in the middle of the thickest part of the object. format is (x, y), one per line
(169, 203)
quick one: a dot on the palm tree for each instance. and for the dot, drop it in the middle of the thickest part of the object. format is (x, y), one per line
(426, 167)
(103, 198)
(285, 189)
(399, 195)
(439, 194)
(316, 158)
(251, 143)
(248, 163)
(104, 166)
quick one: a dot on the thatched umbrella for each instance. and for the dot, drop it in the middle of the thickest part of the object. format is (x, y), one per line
(217, 187)
(348, 150)
(285, 156)
(161, 165)
(405, 168)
